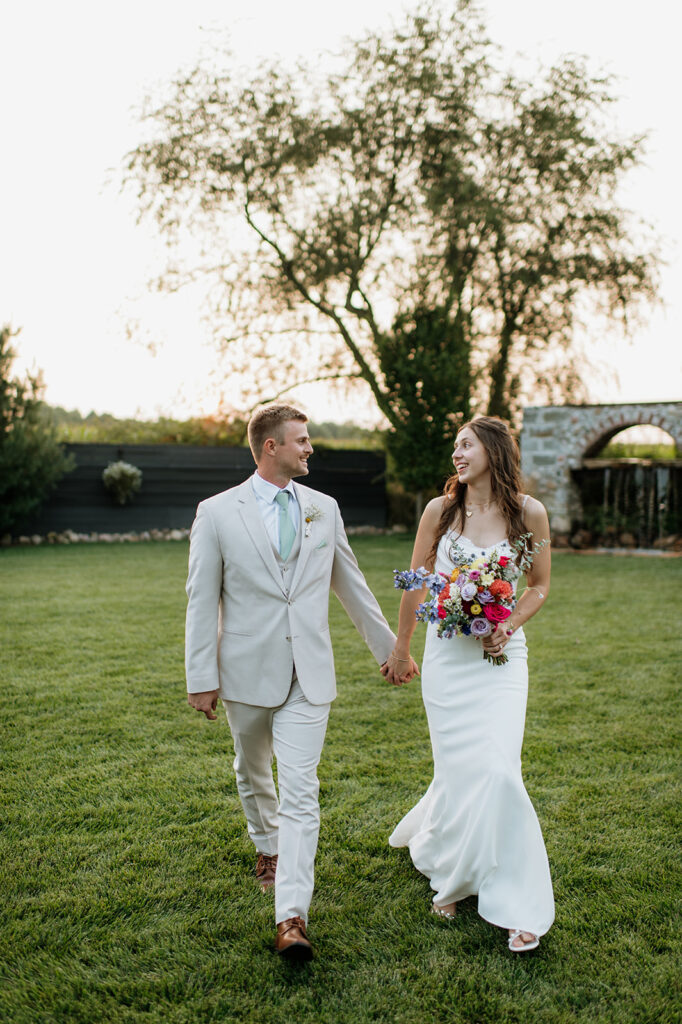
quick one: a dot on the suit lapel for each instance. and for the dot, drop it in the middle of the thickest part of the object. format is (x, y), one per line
(253, 521)
(307, 543)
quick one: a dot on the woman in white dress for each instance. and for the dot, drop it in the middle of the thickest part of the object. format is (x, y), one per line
(475, 831)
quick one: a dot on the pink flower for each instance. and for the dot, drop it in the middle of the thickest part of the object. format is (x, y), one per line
(496, 612)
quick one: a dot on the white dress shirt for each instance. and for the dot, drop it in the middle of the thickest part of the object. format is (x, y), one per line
(269, 509)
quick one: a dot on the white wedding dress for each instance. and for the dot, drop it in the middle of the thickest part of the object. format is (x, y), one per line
(475, 830)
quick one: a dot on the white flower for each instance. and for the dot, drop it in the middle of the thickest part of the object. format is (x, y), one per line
(311, 513)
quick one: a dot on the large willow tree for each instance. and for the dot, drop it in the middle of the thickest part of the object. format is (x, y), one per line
(407, 193)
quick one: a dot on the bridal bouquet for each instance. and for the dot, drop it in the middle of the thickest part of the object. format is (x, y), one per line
(475, 597)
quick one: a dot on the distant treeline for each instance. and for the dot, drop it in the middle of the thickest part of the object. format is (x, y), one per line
(638, 451)
(103, 428)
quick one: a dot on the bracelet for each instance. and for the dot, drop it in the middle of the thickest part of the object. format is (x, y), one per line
(398, 659)
(539, 592)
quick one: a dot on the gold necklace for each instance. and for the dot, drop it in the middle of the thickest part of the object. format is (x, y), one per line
(484, 506)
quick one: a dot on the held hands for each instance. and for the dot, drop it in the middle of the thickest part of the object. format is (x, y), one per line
(205, 702)
(400, 668)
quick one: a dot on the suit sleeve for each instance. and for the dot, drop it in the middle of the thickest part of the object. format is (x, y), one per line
(204, 588)
(350, 586)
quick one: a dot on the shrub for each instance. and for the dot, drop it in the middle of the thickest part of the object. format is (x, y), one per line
(31, 459)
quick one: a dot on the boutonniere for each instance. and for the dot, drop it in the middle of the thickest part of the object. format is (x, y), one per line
(311, 514)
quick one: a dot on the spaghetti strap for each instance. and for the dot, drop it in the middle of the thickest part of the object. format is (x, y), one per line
(523, 503)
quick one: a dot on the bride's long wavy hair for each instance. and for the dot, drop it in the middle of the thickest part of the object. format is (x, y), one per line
(505, 478)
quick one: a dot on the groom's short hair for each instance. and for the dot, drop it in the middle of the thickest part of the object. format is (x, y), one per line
(269, 421)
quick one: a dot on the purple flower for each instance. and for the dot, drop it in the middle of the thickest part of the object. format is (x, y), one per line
(461, 580)
(480, 627)
(474, 574)
(427, 612)
(408, 579)
(485, 597)
(415, 579)
(469, 591)
(435, 581)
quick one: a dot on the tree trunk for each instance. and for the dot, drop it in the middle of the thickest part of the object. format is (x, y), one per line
(498, 402)
(418, 508)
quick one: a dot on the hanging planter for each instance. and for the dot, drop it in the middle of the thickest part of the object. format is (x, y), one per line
(122, 480)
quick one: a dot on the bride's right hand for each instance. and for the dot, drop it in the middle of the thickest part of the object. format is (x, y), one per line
(400, 667)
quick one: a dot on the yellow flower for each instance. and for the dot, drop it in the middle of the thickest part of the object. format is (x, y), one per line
(486, 578)
(458, 570)
(475, 609)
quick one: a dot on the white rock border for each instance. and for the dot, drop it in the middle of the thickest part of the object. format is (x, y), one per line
(145, 536)
(71, 537)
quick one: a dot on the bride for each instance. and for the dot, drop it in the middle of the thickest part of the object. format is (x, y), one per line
(475, 831)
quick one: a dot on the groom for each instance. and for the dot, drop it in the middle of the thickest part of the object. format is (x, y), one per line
(263, 556)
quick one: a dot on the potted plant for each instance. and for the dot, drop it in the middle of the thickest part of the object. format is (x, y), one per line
(122, 480)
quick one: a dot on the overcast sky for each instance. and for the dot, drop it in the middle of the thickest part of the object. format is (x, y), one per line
(74, 264)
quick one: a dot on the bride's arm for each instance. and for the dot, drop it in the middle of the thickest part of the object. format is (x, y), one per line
(400, 662)
(537, 578)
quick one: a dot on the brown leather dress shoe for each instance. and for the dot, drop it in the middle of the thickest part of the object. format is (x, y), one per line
(291, 940)
(266, 866)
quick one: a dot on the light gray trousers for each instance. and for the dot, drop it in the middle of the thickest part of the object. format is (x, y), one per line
(294, 733)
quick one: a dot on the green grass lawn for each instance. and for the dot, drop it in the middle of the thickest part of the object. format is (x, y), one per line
(126, 874)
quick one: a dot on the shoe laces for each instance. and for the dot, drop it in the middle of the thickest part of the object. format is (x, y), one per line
(293, 922)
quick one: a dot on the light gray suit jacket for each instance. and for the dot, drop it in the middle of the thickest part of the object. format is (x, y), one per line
(245, 631)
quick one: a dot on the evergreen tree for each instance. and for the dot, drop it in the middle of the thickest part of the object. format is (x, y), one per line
(31, 460)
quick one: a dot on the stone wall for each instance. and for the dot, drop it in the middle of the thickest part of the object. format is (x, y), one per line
(556, 438)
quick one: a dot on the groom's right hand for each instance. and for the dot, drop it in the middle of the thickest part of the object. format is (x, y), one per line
(205, 702)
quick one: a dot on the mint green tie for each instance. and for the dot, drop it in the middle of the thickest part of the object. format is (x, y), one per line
(287, 533)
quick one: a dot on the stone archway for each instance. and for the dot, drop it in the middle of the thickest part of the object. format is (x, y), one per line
(556, 438)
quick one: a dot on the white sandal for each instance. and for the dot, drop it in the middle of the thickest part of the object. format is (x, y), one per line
(440, 912)
(531, 944)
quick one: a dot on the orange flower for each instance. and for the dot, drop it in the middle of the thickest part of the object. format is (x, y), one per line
(501, 589)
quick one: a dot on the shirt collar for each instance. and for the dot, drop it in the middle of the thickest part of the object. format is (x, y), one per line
(267, 491)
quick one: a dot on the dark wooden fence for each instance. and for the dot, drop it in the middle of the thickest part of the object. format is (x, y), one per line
(175, 478)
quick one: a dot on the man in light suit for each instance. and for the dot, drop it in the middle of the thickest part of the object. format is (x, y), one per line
(263, 557)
